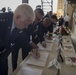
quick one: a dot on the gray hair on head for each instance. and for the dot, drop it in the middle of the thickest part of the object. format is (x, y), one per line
(39, 10)
(25, 11)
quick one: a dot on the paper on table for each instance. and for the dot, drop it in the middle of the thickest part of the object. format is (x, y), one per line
(49, 41)
(68, 47)
(48, 47)
(40, 61)
(67, 44)
(54, 35)
(51, 63)
(66, 37)
(29, 71)
(66, 41)
(73, 59)
(55, 63)
(68, 61)
(69, 54)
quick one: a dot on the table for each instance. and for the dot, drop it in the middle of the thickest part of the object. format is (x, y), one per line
(65, 69)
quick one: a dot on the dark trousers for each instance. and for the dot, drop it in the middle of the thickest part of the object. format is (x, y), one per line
(66, 23)
(24, 53)
(60, 23)
(4, 67)
(15, 57)
(36, 40)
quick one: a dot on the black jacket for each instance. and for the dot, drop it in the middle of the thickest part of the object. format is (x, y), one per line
(20, 39)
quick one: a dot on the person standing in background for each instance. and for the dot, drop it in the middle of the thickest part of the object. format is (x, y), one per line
(66, 19)
(61, 21)
(13, 33)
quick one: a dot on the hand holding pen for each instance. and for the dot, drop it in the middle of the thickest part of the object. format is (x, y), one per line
(36, 53)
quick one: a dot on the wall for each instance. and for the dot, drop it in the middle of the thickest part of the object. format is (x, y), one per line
(72, 24)
(70, 12)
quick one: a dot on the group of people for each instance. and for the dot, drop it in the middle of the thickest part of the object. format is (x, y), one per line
(23, 28)
(64, 20)
(64, 25)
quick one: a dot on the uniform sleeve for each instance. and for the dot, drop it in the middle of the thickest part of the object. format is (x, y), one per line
(50, 28)
(40, 35)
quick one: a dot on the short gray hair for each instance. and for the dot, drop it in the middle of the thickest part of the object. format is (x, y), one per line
(39, 11)
(25, 11)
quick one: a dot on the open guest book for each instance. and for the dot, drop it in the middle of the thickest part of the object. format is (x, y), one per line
(38, 61)
(47, 48)
(70, 61)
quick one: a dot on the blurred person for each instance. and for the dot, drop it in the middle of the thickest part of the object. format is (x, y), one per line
(41, 27)
(61, 21)
(64, 30)
(53, 20)
(3, 9)
(48, 14)
(66, 19)
(35, 28)
(38, 6)
(47, 25)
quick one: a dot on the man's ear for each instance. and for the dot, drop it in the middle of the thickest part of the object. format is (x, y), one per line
(18, 17)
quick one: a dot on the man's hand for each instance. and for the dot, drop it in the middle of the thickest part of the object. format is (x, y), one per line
(35, 53)
(34, 45)
(50, 37)
(44, 44)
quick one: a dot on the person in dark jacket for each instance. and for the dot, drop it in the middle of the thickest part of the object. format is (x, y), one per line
(61, 21)
(13, 33)
(35, 28)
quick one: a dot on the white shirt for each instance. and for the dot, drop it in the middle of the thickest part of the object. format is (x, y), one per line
(66, 18)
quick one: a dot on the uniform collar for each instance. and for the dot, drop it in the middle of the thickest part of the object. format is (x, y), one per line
(13, 25)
